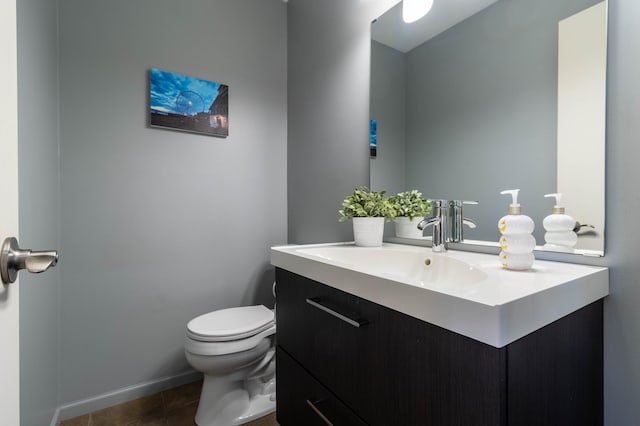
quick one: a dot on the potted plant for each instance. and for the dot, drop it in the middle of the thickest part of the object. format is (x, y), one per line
(369, 210)
(410, 208)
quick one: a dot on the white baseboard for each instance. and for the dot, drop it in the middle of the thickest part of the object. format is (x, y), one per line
(56, 417)
(98, 402)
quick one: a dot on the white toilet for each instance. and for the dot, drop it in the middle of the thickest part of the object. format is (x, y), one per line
(235, 350)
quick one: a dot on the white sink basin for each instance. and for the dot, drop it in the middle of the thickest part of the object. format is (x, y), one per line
(468, 293)
(418, 267)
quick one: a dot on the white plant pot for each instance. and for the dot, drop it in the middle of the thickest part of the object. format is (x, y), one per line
(406, 228)
(368, 231)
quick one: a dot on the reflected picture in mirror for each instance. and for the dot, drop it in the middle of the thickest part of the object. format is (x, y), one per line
(483, 95)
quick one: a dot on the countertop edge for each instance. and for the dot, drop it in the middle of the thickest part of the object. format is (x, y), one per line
(497, 326)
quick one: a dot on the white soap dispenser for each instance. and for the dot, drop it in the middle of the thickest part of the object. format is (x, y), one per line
(517, 243)
(559, 226)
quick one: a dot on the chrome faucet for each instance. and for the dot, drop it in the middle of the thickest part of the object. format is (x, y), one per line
(458, 220)
(439, 221)
(447, 221)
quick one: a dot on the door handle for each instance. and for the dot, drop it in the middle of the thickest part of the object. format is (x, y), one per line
(14, 259)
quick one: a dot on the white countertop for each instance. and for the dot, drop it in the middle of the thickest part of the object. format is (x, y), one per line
(468, 293)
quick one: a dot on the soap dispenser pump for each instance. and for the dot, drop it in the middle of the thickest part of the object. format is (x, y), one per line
(559, 226)
(517, 243)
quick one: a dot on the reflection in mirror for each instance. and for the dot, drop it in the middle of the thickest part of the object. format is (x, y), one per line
(510, 96)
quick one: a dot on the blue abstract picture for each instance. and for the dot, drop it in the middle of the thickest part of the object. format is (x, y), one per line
(373, 138)
(189, 104)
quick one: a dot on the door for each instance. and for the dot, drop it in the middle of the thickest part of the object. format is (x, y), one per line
(9, 302)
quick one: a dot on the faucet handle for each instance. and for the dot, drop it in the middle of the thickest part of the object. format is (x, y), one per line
(470, 223)
(459, 203)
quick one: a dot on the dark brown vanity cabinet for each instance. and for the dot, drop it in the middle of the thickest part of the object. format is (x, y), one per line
(343, 360)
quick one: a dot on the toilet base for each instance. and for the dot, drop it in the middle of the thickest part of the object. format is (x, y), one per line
(225, 411)
(260, 406)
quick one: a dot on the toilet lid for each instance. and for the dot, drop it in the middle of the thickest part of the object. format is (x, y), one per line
(230, 324)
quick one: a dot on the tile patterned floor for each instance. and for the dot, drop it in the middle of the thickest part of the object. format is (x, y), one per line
(173, 407)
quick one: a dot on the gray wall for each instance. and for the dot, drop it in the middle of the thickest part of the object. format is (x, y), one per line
(328, 113)
(39, 206)
(160, 226)
(622, 316)
(321, 177)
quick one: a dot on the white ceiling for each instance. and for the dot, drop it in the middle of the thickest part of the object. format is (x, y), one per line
(391, 30)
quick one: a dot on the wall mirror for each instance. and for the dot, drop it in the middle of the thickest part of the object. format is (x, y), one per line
(505, 94)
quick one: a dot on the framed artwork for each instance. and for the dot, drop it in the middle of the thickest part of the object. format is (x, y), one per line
(188, 104)
(373, 138)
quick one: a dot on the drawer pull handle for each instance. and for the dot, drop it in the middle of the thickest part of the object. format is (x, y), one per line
(315, 302)
(318, 412)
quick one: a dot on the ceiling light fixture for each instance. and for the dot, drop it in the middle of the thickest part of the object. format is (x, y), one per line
(412, 10)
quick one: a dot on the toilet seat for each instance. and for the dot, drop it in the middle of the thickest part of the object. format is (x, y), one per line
(198, 347)
(229, 331)
(230, 324)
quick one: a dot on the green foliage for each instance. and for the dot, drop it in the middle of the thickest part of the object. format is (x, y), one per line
(365, 203)
(410, 204)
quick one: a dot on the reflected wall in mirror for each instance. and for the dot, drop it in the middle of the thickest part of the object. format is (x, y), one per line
(510, 96)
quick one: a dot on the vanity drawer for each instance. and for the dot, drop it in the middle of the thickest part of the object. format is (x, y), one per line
(328, 331)
(304, 401)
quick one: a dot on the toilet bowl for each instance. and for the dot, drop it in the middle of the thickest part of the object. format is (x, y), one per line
(235, 350)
